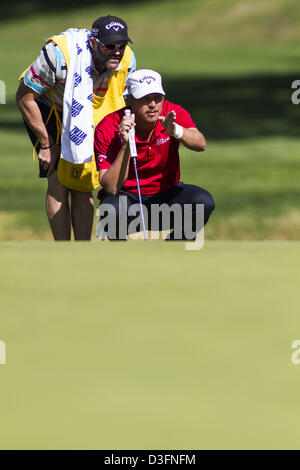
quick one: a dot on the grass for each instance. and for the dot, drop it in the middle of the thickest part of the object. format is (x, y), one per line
(149, 346)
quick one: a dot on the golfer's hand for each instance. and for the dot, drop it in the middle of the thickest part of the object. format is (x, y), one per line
(168, 122)
(49, 157)
(127, 123)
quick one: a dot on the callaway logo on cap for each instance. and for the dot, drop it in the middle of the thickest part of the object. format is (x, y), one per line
(109, 29)
(144, 82)
(147, 78)
(115, 25)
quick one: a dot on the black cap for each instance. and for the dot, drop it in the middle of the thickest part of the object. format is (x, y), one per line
(110, 29)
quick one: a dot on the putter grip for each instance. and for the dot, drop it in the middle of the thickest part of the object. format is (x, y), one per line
(132, 145)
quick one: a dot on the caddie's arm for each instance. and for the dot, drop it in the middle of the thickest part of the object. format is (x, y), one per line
(113, 178)
(191, 137)
(25, 98)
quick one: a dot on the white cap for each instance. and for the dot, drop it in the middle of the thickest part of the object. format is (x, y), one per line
(144, 82)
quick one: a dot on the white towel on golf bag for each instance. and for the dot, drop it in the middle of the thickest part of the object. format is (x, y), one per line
(77, 129)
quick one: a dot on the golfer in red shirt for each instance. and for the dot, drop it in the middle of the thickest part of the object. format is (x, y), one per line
(160, 126)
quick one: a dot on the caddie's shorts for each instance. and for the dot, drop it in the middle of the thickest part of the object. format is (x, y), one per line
(51, 128)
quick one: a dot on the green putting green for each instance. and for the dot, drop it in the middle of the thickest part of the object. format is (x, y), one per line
(144, 346)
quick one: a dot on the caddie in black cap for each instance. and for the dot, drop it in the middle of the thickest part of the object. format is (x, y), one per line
(108, 41)
(85, 93)
(109, 29)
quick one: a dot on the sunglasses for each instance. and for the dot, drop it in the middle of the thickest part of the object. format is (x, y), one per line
(112, 47)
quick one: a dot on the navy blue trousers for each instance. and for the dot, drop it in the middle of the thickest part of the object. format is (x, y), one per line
(185, 196)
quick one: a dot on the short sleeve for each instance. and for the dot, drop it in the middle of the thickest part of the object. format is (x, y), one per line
(184, 118)
(48, 69)
(132, 65)
(107, 143)
(131, 69)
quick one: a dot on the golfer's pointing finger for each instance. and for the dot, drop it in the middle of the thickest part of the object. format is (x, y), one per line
(171, 116)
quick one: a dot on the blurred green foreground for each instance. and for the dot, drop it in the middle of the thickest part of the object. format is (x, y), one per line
(149, 346)
(231, 63)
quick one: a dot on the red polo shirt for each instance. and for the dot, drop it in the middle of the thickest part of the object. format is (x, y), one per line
(157, 161)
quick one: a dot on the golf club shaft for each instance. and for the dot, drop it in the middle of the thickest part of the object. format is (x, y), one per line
(133, 154)
(140, 197)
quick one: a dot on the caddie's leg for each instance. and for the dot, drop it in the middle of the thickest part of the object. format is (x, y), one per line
(82, 214)
(58, 210)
